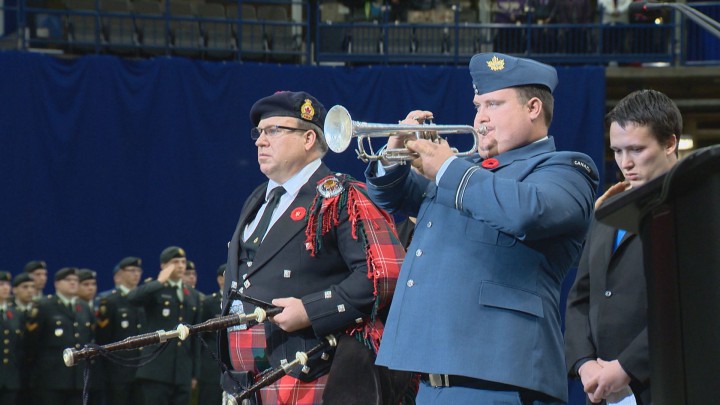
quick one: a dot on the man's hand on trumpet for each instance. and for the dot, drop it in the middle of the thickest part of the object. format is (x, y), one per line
(413, 118)
(432, 156)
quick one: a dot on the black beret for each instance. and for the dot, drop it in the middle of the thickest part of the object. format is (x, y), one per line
(127, 262)
(298, 105)
(5, 276)
(34, 265)
(170, 253)
(221, 269)
(494, 71)
(23, 277)
(64, 272)
(86, 274)
(190, 265)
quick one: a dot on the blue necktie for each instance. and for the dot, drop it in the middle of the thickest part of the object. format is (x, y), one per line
(618, 237)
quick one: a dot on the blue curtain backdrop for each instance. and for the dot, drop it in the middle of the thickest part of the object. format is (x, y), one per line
(102, 157)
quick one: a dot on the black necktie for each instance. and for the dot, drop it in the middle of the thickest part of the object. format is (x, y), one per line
(253, 242)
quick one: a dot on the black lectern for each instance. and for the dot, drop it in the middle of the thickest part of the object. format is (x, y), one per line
(677, 216)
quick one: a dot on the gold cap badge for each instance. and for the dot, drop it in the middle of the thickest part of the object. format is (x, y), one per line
(307, 112)
(496, 64)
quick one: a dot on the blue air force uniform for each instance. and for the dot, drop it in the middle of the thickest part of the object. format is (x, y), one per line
(479, 291)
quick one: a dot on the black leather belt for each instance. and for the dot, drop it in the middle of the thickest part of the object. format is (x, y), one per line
(448, 380)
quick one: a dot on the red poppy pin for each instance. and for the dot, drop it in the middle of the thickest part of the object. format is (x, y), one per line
(9, 314)
(78, 308)
(490, 163)
(186, 291)
(298, 214)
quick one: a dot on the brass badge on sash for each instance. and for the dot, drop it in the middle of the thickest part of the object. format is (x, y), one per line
(166, 312)
(330, 187)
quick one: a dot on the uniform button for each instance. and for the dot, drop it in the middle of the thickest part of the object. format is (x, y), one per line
(180, 318)
(6, 341)
(418, 252)
(77, 335)
(179, 344)
(6, 351)
(429, 225)
(608, 293)
(6, 331)
(6, 361)
(410, 283)
(181, 306)
(77, 345)
(75, 324)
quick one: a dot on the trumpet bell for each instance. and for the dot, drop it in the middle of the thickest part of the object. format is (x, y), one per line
(338, 129)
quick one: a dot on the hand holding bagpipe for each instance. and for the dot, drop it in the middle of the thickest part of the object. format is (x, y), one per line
(276, 374)
(72, 356)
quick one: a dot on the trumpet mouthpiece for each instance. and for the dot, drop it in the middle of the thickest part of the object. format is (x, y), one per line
(482, 129)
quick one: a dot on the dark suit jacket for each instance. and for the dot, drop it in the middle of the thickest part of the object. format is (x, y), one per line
(333, 285)
(607, 308)
(51, 329)
(11, 348)
(118, 319)
(163, 310)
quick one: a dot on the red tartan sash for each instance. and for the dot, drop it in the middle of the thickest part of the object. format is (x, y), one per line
(375, 228)
(247, 352)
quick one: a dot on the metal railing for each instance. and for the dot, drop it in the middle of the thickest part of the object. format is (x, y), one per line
(235, 31)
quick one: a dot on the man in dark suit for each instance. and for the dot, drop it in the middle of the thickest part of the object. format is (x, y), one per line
(208, 388)
(118, 319)
(58, 322)
(167, 302)
(606, 339)
(297, 246)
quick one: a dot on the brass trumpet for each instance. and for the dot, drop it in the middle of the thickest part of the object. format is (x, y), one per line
(340, 129)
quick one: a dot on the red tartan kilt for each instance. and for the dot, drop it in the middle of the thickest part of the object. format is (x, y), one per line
(247, 353)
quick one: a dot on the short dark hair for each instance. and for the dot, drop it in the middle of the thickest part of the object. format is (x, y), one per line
(649, 108)
(321, 145)
(525, 93)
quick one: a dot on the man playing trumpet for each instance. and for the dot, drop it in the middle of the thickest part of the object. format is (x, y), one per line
(476, 310)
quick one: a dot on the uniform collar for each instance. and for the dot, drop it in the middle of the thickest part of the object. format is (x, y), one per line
(538, 147)
(293, 185)
(123, 290)
(65, 300)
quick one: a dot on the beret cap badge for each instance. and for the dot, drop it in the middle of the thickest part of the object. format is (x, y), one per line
(307, 112)
(496, 63)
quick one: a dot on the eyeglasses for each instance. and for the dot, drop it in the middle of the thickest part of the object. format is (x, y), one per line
(271, 131)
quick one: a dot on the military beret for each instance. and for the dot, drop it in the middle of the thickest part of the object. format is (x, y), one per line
(190, 265)
(127, 262)
(170, 253)
(23, 277)
(64, 272)
(5, 276)
(34, 265)
(495, 71)
(86, 274)
(221, 269)
(298, 105)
